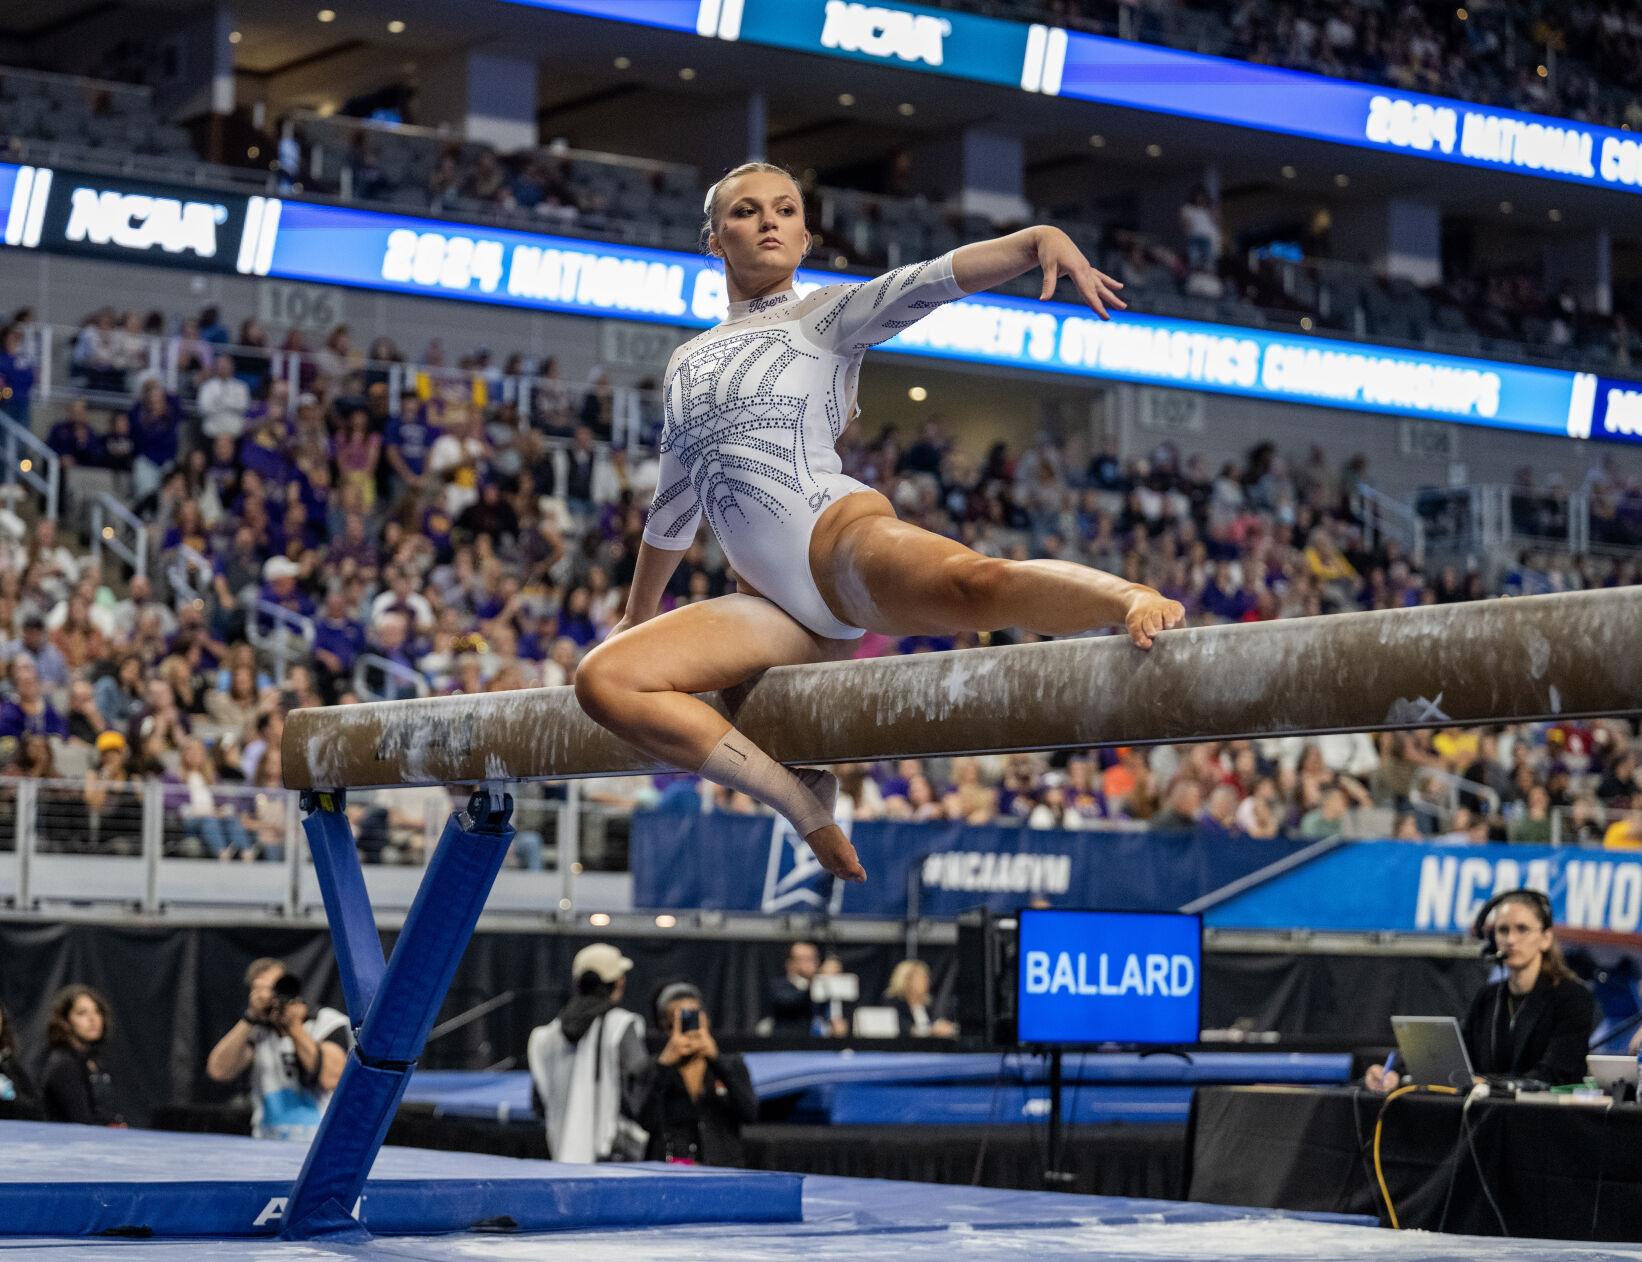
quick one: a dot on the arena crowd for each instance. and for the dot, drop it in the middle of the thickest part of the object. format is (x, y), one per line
(452, 539)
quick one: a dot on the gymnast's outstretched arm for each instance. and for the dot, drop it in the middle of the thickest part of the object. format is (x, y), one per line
(988, 263)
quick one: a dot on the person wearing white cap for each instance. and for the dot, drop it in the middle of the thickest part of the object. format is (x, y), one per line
(586, 1064)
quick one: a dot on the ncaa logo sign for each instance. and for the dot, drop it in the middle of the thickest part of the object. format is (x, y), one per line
(135, 221)
(1623, 414)
(876, 32)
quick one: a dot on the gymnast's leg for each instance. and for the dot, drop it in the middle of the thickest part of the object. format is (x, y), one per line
(638, 685)
(889, 576)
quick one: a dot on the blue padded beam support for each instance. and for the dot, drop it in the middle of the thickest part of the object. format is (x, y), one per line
(354, 937)
(436, 932)
(395, 1025)
(350, 1135)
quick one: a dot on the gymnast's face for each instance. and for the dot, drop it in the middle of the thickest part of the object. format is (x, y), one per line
(759, 231)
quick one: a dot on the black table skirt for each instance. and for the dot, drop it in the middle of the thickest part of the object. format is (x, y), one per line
(1561, 1172)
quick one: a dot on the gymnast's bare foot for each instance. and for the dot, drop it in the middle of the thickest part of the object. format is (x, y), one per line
(836, 854)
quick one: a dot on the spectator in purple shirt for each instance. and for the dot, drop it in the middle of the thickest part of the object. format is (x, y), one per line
(73, 439)
(354, 545)
(28, 712)
(262, 451)
(1224, 595)
(16, 375)
(407, 440)
(279, 575)
(156, 428)
(338, 639)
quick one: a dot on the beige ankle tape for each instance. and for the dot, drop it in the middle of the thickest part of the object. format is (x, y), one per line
(737, 763)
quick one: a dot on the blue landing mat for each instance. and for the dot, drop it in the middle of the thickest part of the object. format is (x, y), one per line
(867, 1220)
(165, 1184)
(1112, 1083)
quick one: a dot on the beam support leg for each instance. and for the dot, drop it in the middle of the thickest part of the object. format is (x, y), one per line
(400, 1001)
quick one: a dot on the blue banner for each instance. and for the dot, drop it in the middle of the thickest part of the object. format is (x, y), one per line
(1269, 99)
(756, 863)
(1141, 76)
(1400, 887)
(342, 245)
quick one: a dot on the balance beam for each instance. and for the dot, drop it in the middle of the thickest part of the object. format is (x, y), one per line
(1577, 655)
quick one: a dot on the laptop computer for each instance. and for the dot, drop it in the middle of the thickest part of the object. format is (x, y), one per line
(1611, 1072)
(1433, 1051)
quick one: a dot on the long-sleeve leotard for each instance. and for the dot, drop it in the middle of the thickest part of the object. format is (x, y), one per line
(753, 409)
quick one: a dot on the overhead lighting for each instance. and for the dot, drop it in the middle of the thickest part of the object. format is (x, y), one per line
(624, 63)
(1342, 179)
(917, 394)
(599, 919)
(1154, 151)
(234, 37)
(1289, 173)
(1305, 323)
(1505, 208)
(1554, 215)
(1097, 141)
(327, 15)
(254, 152)
(665, 921)
(1461, 14)
(396, 27)
(1542, 72)
(846, 98)
(686, 74)
(907, 109)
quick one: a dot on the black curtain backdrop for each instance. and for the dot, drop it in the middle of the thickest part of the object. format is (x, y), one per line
(174, 990)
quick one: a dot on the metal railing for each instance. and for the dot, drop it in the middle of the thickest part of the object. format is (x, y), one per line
(1450, 789)
(375, 675)
(551, 403)
(154, 846)
(284, 636)
(29, 461)
(119, 530)
(1492, 523)
(187, 564)
(1386, 517)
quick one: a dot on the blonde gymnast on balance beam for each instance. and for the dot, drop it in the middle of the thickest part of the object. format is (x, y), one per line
(753, 412)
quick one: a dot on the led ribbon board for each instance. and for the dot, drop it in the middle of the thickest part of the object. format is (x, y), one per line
(341, 245)
(1133, 75)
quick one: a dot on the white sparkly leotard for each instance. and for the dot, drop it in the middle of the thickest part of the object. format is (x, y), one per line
(752, 413)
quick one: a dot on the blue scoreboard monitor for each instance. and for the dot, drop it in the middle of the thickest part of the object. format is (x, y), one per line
(1086, 977)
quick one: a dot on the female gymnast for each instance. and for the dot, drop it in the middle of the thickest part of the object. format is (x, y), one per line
(753, 411)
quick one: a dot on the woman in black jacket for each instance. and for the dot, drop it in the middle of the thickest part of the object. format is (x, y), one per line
(77, 1087)
(694, 1099)
(1535, 1022)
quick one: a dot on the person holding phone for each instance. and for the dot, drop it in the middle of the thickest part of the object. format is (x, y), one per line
(694, 1098)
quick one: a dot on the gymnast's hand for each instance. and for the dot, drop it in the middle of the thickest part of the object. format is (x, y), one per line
(1151, 612)
(1058, 256)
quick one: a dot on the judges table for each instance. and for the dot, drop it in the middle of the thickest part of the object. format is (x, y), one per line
(1557, 1171)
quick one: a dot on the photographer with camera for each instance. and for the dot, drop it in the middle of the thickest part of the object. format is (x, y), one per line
(295, 1059)
(693, 1098)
